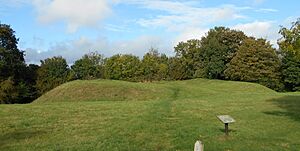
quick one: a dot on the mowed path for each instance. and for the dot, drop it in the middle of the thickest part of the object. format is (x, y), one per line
(186, 112)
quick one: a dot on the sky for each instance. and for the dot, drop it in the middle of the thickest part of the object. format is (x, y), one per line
(72, 28)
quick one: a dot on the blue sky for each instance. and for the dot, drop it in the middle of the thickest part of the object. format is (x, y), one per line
(72, 28)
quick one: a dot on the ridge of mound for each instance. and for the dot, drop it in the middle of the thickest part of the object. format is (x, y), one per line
(103, 90)
(111, 90)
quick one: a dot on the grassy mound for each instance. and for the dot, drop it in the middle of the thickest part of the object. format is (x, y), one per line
(103, 90)
(108, 90)
(117, 115)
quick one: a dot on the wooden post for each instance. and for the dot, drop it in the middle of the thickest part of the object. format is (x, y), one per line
(226, 129)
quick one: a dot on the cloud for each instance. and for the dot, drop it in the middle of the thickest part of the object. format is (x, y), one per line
(182, 19)
(260, 29)
(13, 3)
(190, 33)
(179, 15)
(266, 10)
(75, 13)
(75, 49)
(71, 50)
(185, 18)
(258, 2)
(116, 28)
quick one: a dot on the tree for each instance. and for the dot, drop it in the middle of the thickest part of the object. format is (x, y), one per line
(255, 61)
(212, 59)
(289, 45)
(189, 55)
(176, 69)
(52, 73)
(162, 73)
(217, 49)
(154, 66)
(29, 84)
(11, 58)
(122, 67)
(8, 91)
(14, 86)
(90, 66)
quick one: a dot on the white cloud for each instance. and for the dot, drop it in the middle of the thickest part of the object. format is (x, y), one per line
(76, 13)
(257, 29)
(75, 49)
(260, 29)
(266, 10)
(116, 28)
(186, 18)
(71, 50)
(190, 33)
(179, 15)
(13, 3)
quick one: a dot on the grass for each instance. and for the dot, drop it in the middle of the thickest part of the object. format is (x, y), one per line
(116, 115)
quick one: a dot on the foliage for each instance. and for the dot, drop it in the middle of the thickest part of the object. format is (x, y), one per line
(8, 92)
(90, 66)
(12, 59)
(154, 66)
(290, 40)
(188, 53)
(123, 67)
(16, 78)
(52, 72)
(217, 50)
(255, 61)
(213, 59)
(29, 84)
(291, 72)
(176, 69)
(289, 44)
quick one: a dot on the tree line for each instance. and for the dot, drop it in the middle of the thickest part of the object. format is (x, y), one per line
(223, 53)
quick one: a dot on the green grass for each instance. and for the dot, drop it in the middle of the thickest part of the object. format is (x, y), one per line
(117, 115)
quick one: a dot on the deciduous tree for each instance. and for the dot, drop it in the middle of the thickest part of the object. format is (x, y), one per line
(217, 49)
(52, 73)
(255, 61)
(123, 67)
(154, 66)
(90, 66)
(14, 86)
(289, 45)
(189, 53)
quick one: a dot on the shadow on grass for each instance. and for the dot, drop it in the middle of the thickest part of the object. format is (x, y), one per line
(17, 136)
(230, 130)
(291, 106)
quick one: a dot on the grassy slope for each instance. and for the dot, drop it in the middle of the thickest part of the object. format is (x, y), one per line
(115, 115)
(103, 90)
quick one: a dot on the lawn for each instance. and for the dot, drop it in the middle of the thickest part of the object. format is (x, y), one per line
(117, 115)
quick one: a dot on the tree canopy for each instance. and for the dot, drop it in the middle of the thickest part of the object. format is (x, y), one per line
(217, 50)
(289, 45)
(255, 61)
(90, 66)
(154, 66)
(52, 72)
(122, 67)
(15, 87)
